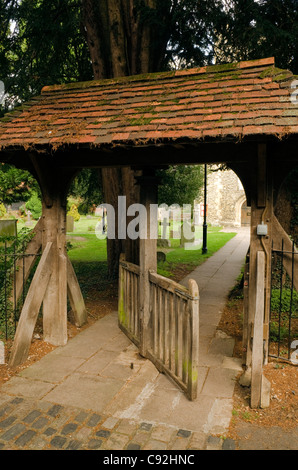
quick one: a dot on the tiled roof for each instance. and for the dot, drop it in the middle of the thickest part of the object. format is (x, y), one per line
(216, 102)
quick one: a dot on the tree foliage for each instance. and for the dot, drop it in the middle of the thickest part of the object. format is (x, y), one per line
(252, 29)
(15, 185)
(44, 42)
(87, 187)
(34, 205)
(180, 185)
(41, 43)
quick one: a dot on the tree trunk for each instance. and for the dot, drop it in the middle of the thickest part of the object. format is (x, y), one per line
(122, 42)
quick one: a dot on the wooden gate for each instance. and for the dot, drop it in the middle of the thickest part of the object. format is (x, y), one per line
(173, 344)
(128, 303)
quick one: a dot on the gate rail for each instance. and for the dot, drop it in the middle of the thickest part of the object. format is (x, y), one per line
(283, 327)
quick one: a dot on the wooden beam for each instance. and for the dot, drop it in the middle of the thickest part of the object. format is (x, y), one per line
(261, 193)
(148, 256)
(245, 337)
(75, 296)
(31, 309)
(258, 348)
(42, 177)
(55, 299)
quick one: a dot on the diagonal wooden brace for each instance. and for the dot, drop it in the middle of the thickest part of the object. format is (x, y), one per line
(25, 265)
(75, 296)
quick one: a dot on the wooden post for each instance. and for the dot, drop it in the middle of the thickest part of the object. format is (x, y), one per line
(246, 329)
(54, 183)
(121, 296)
(148, 254)
(194, 331)
(257, 348)
(261, 213)
(55, 299)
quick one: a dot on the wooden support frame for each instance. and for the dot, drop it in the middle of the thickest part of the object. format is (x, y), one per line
(261, 213)
(73, 289)
(55, 279)
(31, 308)
(54, 187)
(256, 331)
(34, 301)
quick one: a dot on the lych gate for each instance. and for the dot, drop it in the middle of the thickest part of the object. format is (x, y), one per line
(239, 114)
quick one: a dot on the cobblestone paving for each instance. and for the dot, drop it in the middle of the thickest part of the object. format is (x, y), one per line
(29, 425)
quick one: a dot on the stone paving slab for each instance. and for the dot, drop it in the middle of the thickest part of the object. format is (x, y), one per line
(69, 428)
(98, 393)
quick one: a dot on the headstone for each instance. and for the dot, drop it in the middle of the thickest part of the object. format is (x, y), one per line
(196, 216)
(175, 234)
(8, 228)
(161, 257)
(187, 233)
(163, 243)
(2, 353)
(69, 223)
(29, 222)
(164, 228)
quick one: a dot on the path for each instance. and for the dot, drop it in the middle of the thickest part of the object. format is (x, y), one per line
(98, 393)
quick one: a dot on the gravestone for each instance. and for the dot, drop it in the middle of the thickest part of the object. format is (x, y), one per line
(163, 243)
(69, 223)
(8, 228)
(29, 222)
(176, 234)
(164, 228)
(161, 257)
(187, 233)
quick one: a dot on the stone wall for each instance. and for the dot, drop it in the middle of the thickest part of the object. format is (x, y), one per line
(225, 196)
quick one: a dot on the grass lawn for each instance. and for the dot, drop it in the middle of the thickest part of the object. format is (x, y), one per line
(88, 255)
(179, 259)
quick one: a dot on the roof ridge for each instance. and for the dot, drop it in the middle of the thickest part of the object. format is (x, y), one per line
(217, 68)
